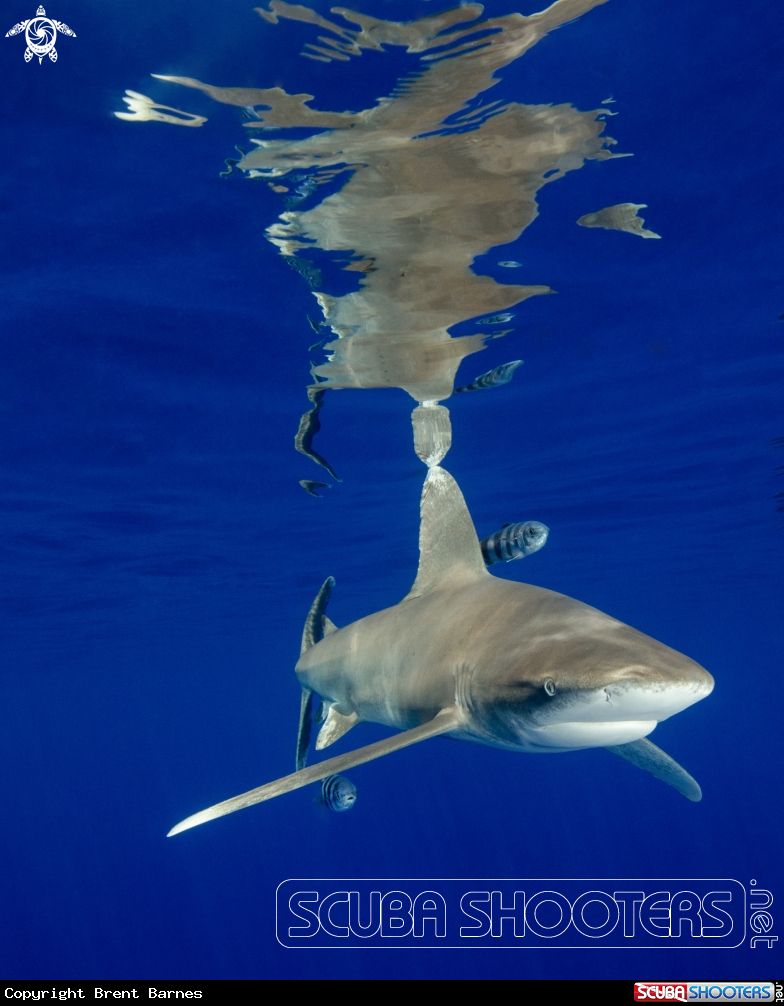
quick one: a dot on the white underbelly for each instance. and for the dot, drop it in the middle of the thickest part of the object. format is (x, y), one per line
(573, 736)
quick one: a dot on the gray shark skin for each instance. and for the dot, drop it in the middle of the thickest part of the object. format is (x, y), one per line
(526, 668)
(489, 649)
(486, 660)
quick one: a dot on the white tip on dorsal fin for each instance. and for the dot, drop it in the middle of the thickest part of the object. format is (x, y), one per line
(449, 549)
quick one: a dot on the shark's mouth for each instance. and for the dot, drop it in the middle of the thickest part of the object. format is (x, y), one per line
(617, 714)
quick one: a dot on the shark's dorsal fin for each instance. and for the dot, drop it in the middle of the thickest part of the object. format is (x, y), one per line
(449, 549)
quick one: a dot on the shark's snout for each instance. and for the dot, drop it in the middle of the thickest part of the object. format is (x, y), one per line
(625, 709)
(656, 699)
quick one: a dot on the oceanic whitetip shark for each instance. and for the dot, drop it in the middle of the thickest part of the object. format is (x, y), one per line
(482, 659)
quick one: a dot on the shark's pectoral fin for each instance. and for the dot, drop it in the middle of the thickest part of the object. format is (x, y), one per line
(317, 625)
(447, 721)
(335, 725)
(317, 619)
(649, 758)
(305, 721)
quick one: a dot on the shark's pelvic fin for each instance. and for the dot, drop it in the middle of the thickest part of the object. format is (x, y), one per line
(335, 725)
(448, 546)
(649, 758)
(316, 625)
(447, 721)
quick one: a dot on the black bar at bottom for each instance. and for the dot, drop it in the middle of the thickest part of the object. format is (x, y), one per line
(242, 990)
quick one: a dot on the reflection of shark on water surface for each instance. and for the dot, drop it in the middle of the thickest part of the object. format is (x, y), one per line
(482, 659)
(621, 217)
(433, 176)
(309, 425)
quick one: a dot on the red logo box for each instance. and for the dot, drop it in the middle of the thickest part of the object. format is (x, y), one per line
(649, 992)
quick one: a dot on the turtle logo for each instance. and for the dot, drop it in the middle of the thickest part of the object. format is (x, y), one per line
(40, 34)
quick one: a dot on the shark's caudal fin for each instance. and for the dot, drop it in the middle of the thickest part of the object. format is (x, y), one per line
(317, 625)
(448, 546)
(649, 758)
(446, 721)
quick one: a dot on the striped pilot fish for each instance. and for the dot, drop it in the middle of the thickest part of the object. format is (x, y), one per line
(493, 378)
(338, 793)
(514, 541)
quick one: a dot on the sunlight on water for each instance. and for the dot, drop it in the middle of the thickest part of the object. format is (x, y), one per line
(434, 178)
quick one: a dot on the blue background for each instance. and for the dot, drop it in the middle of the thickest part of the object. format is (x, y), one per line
(159, 557)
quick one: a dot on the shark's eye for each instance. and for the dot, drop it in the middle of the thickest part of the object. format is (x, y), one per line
(549, 687)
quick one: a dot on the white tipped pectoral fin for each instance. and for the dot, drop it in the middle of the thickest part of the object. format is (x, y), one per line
(448, 545)
(650, 758)
(447, 721)
(335, 726)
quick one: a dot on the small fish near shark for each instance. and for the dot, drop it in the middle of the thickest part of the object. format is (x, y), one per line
(493, 378)
(481, 659)
(338, 793)
(514, 541)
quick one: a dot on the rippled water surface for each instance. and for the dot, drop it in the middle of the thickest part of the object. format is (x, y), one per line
(400, 219)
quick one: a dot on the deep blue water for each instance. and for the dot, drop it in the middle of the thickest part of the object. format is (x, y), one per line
(159, 556)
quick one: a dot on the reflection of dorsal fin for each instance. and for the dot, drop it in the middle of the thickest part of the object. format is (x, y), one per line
(449, 550)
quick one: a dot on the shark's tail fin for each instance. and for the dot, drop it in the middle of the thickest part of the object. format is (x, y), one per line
(316, 624)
